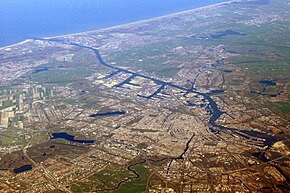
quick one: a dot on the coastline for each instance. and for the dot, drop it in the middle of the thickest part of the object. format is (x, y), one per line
(16, 44)
(126, 24)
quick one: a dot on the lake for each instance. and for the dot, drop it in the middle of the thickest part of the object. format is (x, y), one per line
(20, 19)
(68, 137)
(23, 168)
(108, 114)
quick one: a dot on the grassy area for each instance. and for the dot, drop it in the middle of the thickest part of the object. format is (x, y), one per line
(70, 101)
(11, 138)
(106, 179)
(55, 191)
(50, 149)
(280, 107)
(154, 58)
(13, 160)
(62, 77)
(111, 176)
(7, 103)
(136, 185)
(168, 72)
(63, 72)
(39, 137)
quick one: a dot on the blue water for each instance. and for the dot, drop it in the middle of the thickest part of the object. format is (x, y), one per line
(222, 34)
(268, 82)
(21, 19)
(68, 137)
(23, 168)
(108, 114)
(38, 70)
(213, 92)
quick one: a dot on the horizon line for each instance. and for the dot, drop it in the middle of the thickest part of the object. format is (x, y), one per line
(125, 24)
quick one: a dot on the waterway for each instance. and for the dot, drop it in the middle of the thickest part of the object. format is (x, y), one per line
(213, 109)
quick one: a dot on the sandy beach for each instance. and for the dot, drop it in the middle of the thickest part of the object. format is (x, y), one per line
(17, 44)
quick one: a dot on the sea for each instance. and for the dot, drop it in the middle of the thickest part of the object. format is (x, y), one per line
(23, 19)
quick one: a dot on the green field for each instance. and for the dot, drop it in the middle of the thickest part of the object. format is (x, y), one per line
(136, 185)
(106, 179)
(12, 137)
(280, 107)
(109, 178)
(62, 77)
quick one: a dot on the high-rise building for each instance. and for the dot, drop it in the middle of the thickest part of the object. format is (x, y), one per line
(20, 106)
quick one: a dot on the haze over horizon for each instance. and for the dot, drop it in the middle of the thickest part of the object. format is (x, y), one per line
(20, 20)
